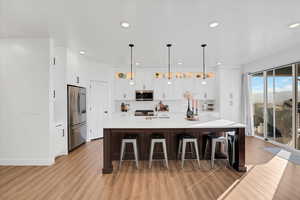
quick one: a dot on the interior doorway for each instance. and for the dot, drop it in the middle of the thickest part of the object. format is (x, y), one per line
(99, 108)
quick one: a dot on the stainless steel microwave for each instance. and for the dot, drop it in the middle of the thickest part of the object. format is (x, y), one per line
(144, 95)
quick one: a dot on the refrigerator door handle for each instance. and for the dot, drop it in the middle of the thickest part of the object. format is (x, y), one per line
(78, 103)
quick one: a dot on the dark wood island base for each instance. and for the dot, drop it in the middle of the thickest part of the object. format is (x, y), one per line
(113, 137)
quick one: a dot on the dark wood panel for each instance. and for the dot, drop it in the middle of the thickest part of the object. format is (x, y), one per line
(113, 138)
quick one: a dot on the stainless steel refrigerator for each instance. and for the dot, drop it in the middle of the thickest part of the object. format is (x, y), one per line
(77, 125)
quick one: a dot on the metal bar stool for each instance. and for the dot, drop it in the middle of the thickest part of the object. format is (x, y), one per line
(129, 139)
(214, 140)
(158, 139)
(232, 138)
(185, 139)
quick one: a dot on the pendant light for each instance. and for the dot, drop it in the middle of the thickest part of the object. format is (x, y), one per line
(131, 82)
(204, 72)
(169, 64)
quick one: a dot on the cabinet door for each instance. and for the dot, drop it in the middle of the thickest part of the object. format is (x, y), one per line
(198, 90)
(59, 140)
(210, 89)
(168, 90)
(129, 90)
(148, 84)
(139, 80)
(118, 87)
(162, 91)
(144, 81)
(159, 93)
(186, 85)
(58, 84)
(177, 89)
(123, 90)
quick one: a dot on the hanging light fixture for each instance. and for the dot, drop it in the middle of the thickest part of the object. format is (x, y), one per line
(204, 72)
(131, 82)
(169, 64)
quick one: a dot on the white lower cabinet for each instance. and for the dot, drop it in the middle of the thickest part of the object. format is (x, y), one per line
(59, 140)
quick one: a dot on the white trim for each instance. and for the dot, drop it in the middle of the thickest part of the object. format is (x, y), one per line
(278, 144)
(26, 162)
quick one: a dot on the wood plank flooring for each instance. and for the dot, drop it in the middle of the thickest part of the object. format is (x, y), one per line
(78, 176)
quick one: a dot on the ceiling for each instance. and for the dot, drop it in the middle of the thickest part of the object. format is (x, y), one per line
(248, 30)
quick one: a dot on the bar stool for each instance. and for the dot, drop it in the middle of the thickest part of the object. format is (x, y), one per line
(214, 140)
(129, 139)
(185, 139)
(158, 139)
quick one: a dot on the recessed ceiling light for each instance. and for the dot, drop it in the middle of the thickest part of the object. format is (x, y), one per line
(125, 24)
(81, 52)
(295, 25)
(137, 63)
(213, 24)
(219, 63)
(179, 63)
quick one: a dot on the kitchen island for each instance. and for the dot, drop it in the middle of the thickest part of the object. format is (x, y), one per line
(116, 127)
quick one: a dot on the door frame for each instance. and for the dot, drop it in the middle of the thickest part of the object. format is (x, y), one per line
(294, 105)
(90, 128)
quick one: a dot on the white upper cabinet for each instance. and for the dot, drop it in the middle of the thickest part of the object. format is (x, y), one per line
(59, 89)
(143, 80)
(123, 90)
(178, 89)
(229, 98)
(209, 89)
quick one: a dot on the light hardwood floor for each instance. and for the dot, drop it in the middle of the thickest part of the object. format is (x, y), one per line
(78, 176)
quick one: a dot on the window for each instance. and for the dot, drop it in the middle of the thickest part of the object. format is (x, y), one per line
(257, 101)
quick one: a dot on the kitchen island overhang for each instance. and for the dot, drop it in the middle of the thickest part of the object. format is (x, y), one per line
(116, 129)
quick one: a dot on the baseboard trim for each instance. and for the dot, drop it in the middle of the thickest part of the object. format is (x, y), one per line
(284, 146)
(96, 139)
(26, 162)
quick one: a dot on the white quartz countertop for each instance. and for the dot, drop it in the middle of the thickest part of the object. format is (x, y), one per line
(129, 121)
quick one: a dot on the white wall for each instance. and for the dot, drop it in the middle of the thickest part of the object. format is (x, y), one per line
(88, 69)
(282, 58)
(24, 104)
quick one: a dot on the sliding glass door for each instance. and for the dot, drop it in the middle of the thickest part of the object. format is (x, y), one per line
(271, 130)
(297, 80)
(257, 101)
(275, 101)
(284, 105)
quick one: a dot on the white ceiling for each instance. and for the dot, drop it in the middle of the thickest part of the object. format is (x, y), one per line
(249, 29)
